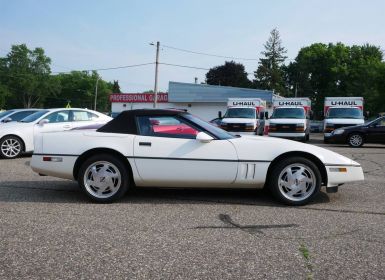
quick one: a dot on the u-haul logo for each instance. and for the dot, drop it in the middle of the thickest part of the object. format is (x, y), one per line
(290, 103)
(243, 103)
(344, 103)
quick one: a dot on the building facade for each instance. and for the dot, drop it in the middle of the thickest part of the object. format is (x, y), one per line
(205, 101)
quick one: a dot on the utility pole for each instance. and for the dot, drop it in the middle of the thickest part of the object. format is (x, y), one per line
(156, 75)
(96, 91)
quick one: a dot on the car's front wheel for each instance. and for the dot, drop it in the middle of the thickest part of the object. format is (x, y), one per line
(356, 140)
(11, 147)
(295, 181)
(104, 178)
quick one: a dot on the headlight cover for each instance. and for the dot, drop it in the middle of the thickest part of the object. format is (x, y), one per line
(338, 131)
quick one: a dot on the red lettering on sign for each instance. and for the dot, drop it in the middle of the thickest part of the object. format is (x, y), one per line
(138, 97)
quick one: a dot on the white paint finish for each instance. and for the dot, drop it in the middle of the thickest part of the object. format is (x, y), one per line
(336, 178)
(187, 173)
(287, 121)
(81, 141)
(252, 174)
(268, 148)
(172, 172)
(62, 169)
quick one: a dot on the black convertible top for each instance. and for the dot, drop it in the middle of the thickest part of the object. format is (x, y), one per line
(125, 121)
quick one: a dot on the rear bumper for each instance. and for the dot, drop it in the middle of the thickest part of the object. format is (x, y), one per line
(63, 169)
(335, 178)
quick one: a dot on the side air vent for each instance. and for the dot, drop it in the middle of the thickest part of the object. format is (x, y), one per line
(248, 171)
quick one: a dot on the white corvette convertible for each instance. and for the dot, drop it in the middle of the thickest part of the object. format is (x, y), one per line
(170, 148)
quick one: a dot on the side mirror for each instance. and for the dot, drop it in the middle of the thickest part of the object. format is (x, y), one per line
(219, 114)
(43, 122)
(266, 115)
(204, 137)
(6, 120)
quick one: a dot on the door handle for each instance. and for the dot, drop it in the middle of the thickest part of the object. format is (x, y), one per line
(67, 126)
(145, 144)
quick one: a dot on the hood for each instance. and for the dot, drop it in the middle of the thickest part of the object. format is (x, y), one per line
(238, 120)
(12, 125)
(250, 148)
(287, 121)
(344, 121)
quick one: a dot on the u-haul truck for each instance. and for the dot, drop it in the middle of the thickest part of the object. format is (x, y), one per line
(244, 116)
(290, 118)
(341, 112)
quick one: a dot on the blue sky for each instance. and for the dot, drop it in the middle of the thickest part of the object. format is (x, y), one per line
(87, 34)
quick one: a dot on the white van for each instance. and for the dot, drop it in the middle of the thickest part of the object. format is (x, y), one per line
(244, 116)
(342, 112)
(290, 118)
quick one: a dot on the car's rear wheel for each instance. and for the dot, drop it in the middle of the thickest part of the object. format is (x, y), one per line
(11, 147)
(295, 181)
(356, 140)
(104, 178)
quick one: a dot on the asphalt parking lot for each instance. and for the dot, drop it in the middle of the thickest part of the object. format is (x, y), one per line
(48, 229)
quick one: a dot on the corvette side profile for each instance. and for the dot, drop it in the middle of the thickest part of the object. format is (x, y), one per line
(171, 148)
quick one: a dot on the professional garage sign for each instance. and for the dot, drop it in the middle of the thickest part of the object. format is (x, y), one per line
(138, 97)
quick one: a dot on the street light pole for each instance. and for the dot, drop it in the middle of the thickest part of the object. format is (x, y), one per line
(96, 92)
(156, 75)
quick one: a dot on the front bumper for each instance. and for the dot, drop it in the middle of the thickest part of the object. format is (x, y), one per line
(335, 138)
(336, 178)
(290, 135)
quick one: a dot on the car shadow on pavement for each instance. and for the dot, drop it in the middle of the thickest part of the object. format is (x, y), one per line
(69, 192)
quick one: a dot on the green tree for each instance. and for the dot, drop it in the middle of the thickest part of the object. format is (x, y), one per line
(269, 74)
(321, 70)
(230, 74)
(26, 74)
(78, 88)
(116, 87)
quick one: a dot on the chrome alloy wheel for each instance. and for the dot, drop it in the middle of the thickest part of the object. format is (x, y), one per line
(102, 179)
(10, 147)
(297, 182)
(355, 140)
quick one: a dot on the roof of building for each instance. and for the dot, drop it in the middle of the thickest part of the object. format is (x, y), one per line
(190, 93)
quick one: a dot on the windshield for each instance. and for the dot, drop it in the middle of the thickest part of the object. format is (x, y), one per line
(216, 131)
(245, 113)
(344, 113)
(34, 116)
(288, 113)
(5, 113)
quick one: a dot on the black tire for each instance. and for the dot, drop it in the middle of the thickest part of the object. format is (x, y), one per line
(356, 140)
(282, 193)
(116, 167)
(11, 147)
(326, 141)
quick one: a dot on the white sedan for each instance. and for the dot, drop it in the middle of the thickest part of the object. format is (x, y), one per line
(170, 148)
(17, 137)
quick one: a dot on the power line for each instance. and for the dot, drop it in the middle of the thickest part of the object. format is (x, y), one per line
(184, 66)
(193, 67)
(208, 54)
(109, 68)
